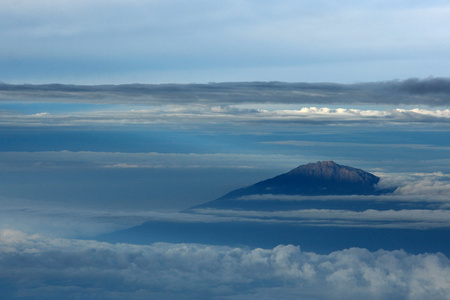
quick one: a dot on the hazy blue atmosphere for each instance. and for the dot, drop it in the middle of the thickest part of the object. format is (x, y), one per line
(92, 42)
(118, 114)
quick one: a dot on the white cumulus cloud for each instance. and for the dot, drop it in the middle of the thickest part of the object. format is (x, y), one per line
(199, 115)
(40, 268)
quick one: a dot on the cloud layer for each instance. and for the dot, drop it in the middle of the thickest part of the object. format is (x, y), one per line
(371, 218)
(33, 267)
(48, 160)
(199, 116)
(429, 91)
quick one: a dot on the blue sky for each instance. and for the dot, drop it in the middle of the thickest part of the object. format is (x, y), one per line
(278, 84)
(92, 42)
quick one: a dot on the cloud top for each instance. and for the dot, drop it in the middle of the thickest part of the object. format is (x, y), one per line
(33, 266)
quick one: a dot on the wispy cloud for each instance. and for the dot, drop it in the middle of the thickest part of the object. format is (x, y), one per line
(436, 194)
(61, 222)
(203, 115)
(405, 218)
(353, 144)
(32, 266)
(42, 160)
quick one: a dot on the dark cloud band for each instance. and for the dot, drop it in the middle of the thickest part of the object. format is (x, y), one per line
(430, 91)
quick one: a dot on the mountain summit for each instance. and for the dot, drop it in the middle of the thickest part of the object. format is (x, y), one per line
(313, 179)
(331, 172)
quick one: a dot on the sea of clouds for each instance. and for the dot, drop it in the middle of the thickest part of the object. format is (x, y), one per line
(35, 267)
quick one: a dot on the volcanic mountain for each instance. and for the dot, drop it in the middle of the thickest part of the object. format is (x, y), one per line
(321, 206)
(314, 179)
(320, 178)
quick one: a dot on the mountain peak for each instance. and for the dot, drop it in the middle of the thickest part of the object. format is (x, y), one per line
(318, 167)
(331, 171)
(320, 178)
(313, 179)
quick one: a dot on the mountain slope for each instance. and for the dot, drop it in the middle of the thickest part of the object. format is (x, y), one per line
(314, 179)
(321, 178)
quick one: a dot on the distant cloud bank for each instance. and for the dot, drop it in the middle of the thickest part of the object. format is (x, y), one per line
(306, 115)
(429, 91)
(42, 268)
